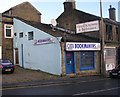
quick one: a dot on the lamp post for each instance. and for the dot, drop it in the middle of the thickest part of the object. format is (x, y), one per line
(103, 42)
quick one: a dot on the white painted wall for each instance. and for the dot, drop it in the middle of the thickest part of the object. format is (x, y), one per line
(45, 57)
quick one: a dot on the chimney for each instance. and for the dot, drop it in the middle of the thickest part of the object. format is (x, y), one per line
(69, 4)
(112, 14)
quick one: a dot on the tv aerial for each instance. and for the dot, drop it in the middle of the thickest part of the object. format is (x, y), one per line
(54, 23)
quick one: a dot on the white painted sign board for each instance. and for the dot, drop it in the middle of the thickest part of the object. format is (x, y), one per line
(87, 27)
(72, 46)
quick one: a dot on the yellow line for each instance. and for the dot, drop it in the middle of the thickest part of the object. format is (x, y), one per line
(52, 84)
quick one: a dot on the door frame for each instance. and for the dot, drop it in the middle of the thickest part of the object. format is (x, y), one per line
(15, 56)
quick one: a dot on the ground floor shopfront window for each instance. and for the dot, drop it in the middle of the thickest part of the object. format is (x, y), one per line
(87, 60)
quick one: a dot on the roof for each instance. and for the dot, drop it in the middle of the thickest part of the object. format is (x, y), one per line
(111, 21)
(92, 17)
(57, 33)
(79, 14)
(24, 3)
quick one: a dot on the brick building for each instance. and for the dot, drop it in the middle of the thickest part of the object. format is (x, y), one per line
(71, 16)
(22, 10)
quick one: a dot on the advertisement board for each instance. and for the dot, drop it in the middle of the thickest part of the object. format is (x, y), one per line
(110, 58)
(72, 46)
(44, 41)
(87, 27)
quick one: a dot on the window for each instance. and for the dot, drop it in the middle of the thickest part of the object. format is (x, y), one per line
(87, 60)
(109, 35)
(30, 35)
(21, 35)
(117, 34)
(117, 30)
(8, 31)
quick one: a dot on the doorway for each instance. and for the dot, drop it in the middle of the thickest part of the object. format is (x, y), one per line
(70, 62)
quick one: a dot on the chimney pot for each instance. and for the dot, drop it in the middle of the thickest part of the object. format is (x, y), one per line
(110, 6)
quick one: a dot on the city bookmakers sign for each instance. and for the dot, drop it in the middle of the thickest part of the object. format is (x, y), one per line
(71, 46)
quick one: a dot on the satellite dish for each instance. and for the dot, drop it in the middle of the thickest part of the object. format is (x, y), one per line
(53, 22)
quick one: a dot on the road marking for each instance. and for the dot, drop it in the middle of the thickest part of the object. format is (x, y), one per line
(85, 93)
(51, 84)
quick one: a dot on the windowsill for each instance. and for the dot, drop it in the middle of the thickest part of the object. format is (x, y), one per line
(87, 68)
(8, 37)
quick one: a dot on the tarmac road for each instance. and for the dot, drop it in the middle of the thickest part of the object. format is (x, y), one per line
(93, 87)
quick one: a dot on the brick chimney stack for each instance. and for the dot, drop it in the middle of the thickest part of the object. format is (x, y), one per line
(112, 14)
(69, 4)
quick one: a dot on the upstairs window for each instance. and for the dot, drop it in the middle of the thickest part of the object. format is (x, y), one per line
(30, 35)
(117, 34)
(8, 31)
(21, 35)
(109, 35)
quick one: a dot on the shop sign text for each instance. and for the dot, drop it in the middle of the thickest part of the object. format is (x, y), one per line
(71, 46)
(44, 41)
(87, 27)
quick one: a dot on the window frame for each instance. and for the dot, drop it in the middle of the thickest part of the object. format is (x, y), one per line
(5, 27)
(90, 67)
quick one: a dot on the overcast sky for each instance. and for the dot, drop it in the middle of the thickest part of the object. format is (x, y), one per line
(53, 8)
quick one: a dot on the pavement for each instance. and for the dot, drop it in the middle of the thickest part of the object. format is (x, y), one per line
(55, 81)
(25, 77)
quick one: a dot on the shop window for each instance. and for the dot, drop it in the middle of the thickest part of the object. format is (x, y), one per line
(21, 35)
(30, 35)
(8, 31)
(87, 60)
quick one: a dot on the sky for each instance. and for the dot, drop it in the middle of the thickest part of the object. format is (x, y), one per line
(51, 9)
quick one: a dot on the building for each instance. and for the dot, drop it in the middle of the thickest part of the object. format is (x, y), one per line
(42, 47)
(22, 10)
(63, 49)
(71, 47)
(71, 17)
(119, 11)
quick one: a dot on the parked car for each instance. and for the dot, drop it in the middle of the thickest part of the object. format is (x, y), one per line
(115, 72)
(6, 66)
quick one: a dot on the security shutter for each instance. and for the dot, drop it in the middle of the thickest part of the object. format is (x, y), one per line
(110, 58)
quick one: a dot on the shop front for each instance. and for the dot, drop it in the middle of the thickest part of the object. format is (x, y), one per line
(82, 57)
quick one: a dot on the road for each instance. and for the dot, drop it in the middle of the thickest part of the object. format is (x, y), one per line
(95, 87)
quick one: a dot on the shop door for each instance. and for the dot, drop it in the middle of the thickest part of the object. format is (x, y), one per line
(70, 62)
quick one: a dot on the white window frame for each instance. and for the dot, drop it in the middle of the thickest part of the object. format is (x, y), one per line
(5, 25)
